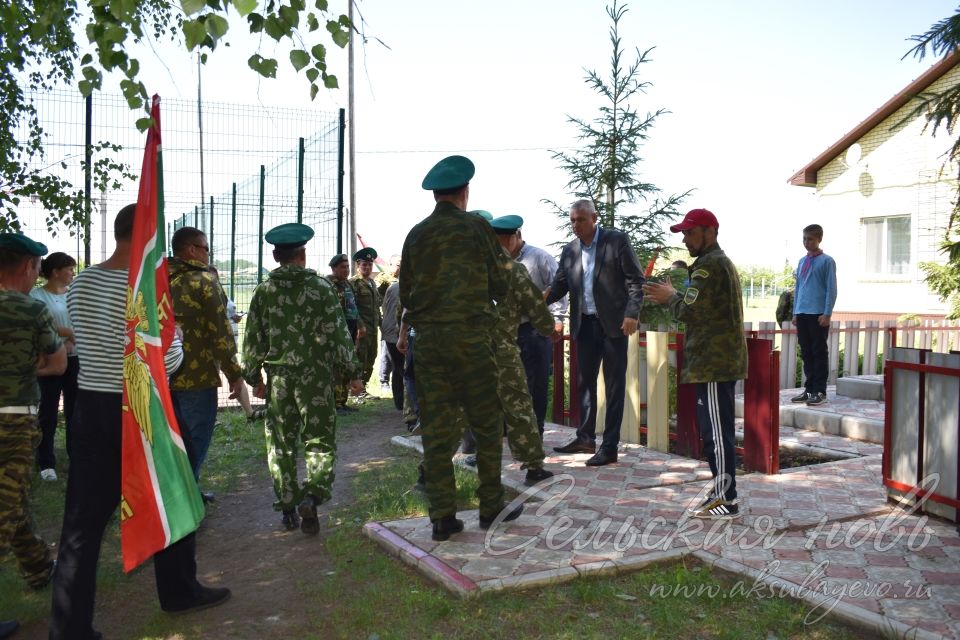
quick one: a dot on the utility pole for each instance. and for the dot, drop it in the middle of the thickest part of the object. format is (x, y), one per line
(351, 119)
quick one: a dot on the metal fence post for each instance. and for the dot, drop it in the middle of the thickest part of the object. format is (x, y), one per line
(233, 243)
(88, 180)
(210, 238)
(263, 181)
(300, 182)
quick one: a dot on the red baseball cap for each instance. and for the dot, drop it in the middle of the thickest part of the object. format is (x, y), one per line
(696, 218)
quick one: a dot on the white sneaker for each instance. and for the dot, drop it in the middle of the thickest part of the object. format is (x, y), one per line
(50, 475)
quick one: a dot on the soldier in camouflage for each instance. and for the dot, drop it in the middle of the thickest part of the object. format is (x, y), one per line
(339, 273)
(523, 300)
(296, 332)
(451, 272)
(29, 346)
(368, 305)
(714, 352)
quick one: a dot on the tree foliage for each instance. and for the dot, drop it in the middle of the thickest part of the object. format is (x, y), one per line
(40, 50)
(942, 110)
(606, 168)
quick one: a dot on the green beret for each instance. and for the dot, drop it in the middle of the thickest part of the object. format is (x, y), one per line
(292, 235)
(337, 259)
(450, 173)
(19, 243)
(367, 253)
(486, 215)
(506, 224)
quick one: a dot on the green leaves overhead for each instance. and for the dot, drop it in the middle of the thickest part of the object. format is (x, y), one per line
(267, 67)
(299, 59)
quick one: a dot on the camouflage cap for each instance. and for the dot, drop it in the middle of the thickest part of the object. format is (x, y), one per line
(19, 243)
(291, 235)
(366, 254)
(337, 259)
(486, 215)
(450, 173)
(506, 224)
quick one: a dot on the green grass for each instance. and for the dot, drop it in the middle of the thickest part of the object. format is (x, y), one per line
(365, 593)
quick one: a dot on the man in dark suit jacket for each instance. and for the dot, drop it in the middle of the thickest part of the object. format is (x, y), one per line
(601, 273)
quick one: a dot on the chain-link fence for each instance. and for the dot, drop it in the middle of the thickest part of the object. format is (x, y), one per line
(259, 167)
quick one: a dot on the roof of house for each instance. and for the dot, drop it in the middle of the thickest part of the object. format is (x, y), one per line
(807, 177)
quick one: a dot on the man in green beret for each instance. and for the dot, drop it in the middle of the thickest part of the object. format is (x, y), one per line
(297, 333)
(524, 300)
(338, 277)
(451, 271)
(29, 346)
(368, 305)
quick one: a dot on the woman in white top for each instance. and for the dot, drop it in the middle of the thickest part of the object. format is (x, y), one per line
(58, 270)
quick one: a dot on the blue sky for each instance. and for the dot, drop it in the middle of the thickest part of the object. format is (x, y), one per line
(755, 90)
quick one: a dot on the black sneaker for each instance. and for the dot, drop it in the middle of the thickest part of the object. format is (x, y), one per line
(816, 399)
(205, 598)
(421, 484)
(486, 523)
(803, 397)
(310, 523)
(716, 509)
(470, 461)
(290, 520)
(445, 527)
(536, 475)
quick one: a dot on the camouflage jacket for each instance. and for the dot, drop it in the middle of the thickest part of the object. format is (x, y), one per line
(368, 302)
(523, 299)
(345, 295)
(295, 326)
(208, 343)
(714, 347)
(452, 268)
(26, 332)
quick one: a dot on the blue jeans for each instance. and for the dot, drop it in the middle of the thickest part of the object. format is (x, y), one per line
(196, 414)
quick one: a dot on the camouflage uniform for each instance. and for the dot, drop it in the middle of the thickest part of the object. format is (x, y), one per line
(523, 299)
(349, 306)
(714, 357)
(452, 267)
(368, 304)
(297, 333)
(26, 331)
(383, 281)
(200, 306)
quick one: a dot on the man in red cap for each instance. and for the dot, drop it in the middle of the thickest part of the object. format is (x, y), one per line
(714, 352)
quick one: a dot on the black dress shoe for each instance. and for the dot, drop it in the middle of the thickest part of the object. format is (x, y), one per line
(7, 627)
(602, 457)
(206, 597)
(536, 475)
(577, 446)
(486, 523)
(445, 527)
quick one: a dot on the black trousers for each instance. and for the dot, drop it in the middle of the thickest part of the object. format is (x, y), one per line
(50, 389)
(716, 419)
(536, 353)
(93, 493)
(813, 350)
(396, 374)
(593, 348)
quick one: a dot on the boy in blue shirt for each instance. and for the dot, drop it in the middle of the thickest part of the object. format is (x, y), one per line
(814, 297)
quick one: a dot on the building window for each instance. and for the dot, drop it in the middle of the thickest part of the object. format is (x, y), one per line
(886, 245)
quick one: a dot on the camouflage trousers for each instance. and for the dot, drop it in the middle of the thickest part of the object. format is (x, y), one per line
(523, 435)
(19, 438)
(367, 353)
(341, 390)
(456, 371)
(300, 413)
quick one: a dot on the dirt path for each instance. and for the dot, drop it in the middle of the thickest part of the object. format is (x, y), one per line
(241, 545)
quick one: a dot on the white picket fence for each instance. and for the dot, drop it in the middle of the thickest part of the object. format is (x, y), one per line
(867, 338)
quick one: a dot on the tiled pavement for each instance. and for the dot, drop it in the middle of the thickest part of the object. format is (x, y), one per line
(823, 533)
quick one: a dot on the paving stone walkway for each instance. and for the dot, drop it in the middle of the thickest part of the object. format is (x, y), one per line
(824, 534)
